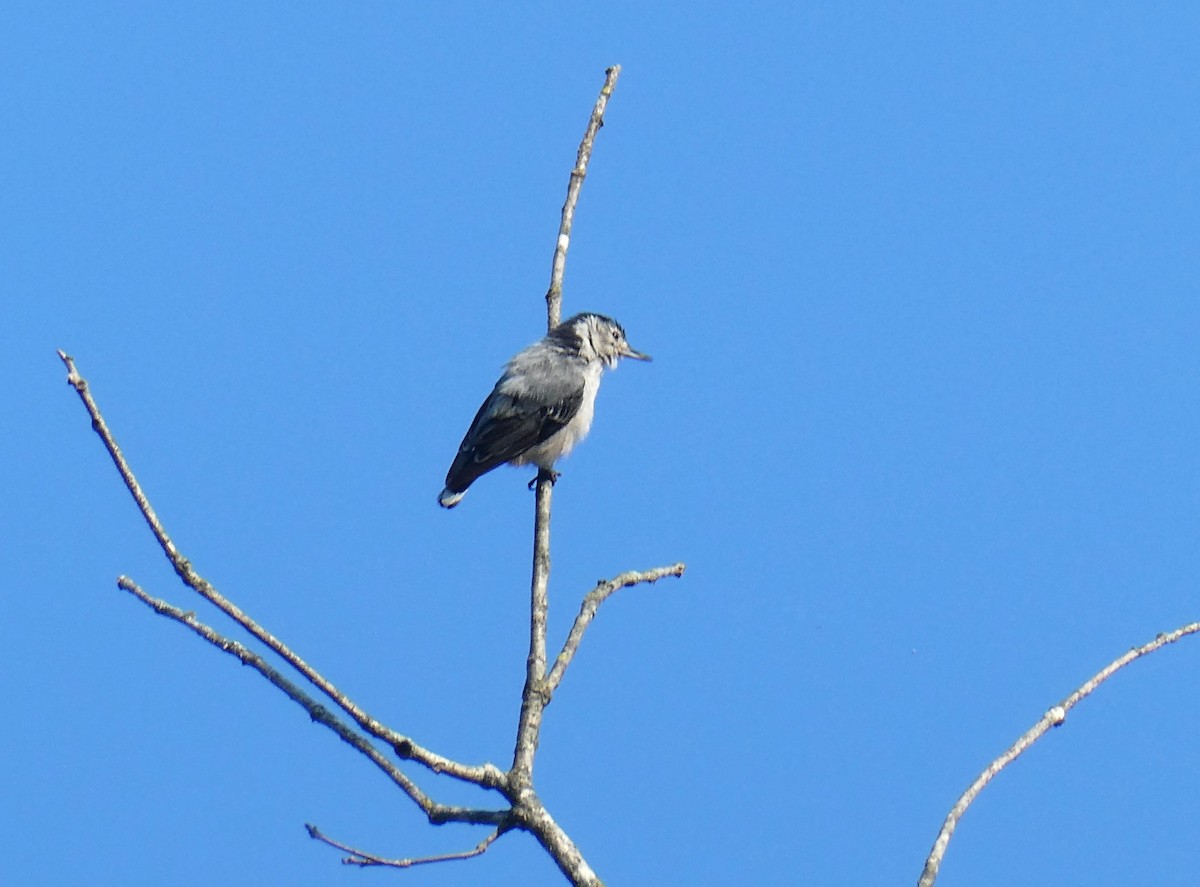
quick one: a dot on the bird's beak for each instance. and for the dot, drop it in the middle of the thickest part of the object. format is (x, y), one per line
(626, 351)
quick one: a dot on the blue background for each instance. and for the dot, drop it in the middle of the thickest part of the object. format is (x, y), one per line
(921, 289)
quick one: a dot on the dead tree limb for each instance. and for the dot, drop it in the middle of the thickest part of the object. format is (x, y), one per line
(1052, 718)
(355, 726)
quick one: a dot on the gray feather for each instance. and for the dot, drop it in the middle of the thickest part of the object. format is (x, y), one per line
(543, 403)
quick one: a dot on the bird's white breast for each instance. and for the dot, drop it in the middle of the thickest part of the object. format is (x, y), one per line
(562, 442)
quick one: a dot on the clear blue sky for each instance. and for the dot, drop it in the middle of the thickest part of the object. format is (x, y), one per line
(921, 289)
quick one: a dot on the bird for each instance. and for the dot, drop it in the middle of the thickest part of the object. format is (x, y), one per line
(543, 403)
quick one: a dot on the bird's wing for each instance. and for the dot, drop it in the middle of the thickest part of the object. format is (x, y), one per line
(506, 426)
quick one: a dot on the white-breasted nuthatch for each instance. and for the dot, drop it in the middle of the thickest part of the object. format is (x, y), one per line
(543, 404)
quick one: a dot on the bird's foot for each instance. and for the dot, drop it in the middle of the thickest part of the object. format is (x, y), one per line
(549, 474)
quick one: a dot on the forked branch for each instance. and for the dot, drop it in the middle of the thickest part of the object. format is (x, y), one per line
(437, 813)
(485, 775)
(526, 811)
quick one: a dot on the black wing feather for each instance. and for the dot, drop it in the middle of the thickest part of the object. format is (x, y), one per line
(503, 429)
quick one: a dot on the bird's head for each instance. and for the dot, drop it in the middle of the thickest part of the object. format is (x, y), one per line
(596, 337)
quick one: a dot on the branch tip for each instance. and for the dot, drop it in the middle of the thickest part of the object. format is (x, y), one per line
(364, 859)
(604, 589)
(1054, 717)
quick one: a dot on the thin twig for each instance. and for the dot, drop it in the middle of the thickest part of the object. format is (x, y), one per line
(364, 859)
(437, 813)
(591, 603)
(578, 174)
(1052, 718)
(486, 775)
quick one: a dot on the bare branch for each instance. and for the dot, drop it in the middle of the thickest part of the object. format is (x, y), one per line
(536, 819)
(578, 174)
(486, 775)
(591, 603)
(1052, 718)
(533, 700)
(437, 813)
(364, 859)
(529, 810)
